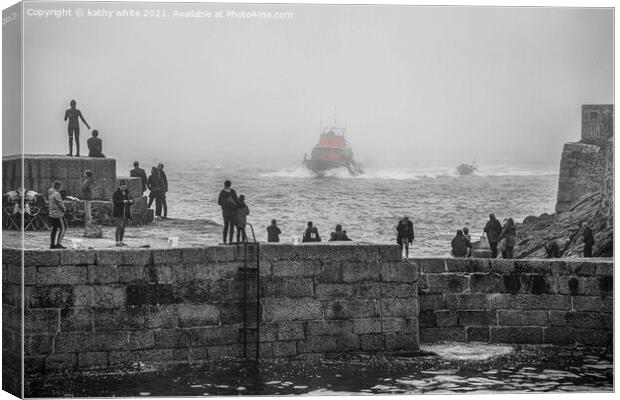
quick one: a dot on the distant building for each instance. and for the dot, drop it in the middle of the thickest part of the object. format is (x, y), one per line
(597, 122)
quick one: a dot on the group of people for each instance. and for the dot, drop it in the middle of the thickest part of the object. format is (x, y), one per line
(157, 184)
(235, 212)
(495, 233)
(94, 143)
(121, 203)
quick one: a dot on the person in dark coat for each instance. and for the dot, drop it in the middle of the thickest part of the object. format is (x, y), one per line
(460, 245)
(138, 172)
(228, 201)
(588, 240)
(122, 201)
(311, 234)
(87, 195)
(339, 235)
(153, 183)
(164, 185)
(493, 230)
(242, 212)
(405, 235)
(509, 233)
(273, 232)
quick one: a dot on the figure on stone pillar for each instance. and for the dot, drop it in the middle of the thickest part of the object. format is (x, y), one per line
(95, 145)
(72, 114)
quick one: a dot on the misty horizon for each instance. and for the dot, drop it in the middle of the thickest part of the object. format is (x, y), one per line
(412, 84)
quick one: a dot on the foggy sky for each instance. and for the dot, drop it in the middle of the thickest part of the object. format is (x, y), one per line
(412, 83)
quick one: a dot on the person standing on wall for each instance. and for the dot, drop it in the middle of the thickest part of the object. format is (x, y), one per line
(509, 233)
(405, 235)
(122, 201)
(164, 186)
(72, 114)
(273, 232)
(153, 183)
(57, 211)
(87, 195)
(493, 230)
(588, 240)
(138, 172)
(228, 201)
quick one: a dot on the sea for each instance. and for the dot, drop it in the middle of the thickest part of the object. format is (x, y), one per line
(368, 206)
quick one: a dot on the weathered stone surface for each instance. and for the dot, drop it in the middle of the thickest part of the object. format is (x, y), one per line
(81, 257)
(41, 320)
(100, 274)
(447, 283)
(476, 318)
(289, 287)
(445, 318)
(290, 331)
(336, 328)
(137, 257)
(60, 362)
(171, 338)
(486, 283)
(197, 315)
(503, 334)
(432, 265)
(467, 265)
(478, 333)
(156, 356)
(92, 359)
(49, 296)
(109, 257)
(141, 340)
(105, 296)
(284, 349)
(474, 301)
(348, 309)
(399, 272)
(167, 256)
(34, 345)
(431, 335)
(320, 344)
(406, 290)
(593, 303)
(373, 342)
(291, 309)
(76, 320)
(523, 318)
(529, 302)
(434, 302)
(62, 275)
(213, 335)
(360, 271)
(41, 258)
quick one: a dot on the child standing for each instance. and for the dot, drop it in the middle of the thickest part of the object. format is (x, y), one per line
(242, 212)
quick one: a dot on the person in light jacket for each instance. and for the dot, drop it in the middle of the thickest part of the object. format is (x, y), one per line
(56, 216)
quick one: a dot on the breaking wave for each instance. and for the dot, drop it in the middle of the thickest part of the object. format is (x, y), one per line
(414, 173)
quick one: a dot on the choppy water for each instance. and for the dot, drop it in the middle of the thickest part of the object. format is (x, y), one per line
(369, 206)
(526, 368)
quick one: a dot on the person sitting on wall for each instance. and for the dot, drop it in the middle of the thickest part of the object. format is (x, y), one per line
(273, 232)
(311, 234)
(460, 245)
(95, 145)
(339, 235)
(556, 247)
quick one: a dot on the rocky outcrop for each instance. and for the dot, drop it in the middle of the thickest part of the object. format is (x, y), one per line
(585, 194)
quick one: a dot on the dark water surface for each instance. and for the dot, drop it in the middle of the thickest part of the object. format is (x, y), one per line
(528, 368)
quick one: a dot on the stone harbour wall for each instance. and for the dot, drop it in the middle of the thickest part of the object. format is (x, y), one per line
(12, 325)
(559, 301)
(118, 307)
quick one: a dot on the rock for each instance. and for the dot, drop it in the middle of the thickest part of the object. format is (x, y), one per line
(93, 231)
(594, 206)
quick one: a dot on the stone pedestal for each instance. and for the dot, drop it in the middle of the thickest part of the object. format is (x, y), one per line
(39, 171)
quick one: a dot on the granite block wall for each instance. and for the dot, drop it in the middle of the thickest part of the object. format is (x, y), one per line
(559, 301)
(117, 307)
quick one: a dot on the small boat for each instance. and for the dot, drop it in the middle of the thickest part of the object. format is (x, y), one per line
(466, 168)
(332, 152)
